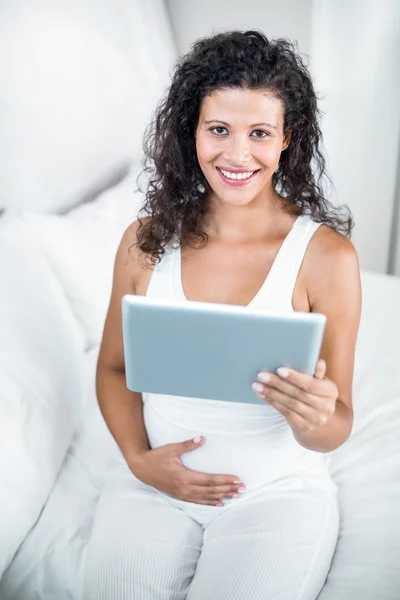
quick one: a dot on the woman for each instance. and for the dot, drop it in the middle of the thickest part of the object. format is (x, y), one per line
(214, 499)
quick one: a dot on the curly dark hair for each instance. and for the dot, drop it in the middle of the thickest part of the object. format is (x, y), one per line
(177, 190)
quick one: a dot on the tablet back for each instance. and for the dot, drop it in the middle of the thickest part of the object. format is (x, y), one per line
(212, 351)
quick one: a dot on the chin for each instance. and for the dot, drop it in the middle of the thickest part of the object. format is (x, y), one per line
(237, 201)
(239, 198)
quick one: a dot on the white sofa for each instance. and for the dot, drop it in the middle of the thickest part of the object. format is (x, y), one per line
(55, 277)
(55, 446)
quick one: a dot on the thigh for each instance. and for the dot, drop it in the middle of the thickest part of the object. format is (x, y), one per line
(276, 547)
(141, 546)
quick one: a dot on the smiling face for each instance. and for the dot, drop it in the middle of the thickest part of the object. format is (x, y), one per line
(239, 140)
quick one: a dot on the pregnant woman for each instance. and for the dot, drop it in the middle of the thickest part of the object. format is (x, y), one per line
(219, 500)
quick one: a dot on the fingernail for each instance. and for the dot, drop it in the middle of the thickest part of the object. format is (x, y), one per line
(257, 387)
(282, 372)
(237, 481)
(264, 377)
(197, 439)
(242, 489)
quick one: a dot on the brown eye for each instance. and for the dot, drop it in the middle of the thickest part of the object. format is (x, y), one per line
(218, 130)
(260, 133)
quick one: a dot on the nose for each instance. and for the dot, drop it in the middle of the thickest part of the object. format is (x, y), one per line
(238, 153)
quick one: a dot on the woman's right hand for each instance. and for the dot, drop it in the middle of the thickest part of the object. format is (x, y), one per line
(162, 469)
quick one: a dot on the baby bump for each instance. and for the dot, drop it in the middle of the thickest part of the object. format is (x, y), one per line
(255, 446)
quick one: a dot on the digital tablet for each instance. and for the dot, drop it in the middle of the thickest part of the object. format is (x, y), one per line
(212, 351)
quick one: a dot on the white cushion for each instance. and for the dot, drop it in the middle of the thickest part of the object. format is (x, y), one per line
(367, 467)
(41, 384)
(79, 82)
(81, 246)
(50, 563)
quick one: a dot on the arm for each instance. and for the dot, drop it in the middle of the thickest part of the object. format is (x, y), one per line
(319, 409)
(334, 290)
(121, 408)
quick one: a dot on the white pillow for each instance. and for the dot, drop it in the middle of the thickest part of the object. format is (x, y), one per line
(81, 246)
(367, 467)
(41, 384)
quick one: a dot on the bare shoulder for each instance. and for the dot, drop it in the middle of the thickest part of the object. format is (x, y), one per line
(330, 264)
(326, 242)
(330, 251)
(130, 240)
(129, 256)
(125, 281)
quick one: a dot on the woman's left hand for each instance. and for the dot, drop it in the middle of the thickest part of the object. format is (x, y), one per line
(305, 401)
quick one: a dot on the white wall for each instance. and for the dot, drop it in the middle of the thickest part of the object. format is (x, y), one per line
(355, 59)
(395, 258)
(279, 18)
(354, 48)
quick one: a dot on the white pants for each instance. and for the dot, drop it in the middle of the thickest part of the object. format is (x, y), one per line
(277, 545)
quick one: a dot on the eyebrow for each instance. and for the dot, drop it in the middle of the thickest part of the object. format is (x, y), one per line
(227, 124)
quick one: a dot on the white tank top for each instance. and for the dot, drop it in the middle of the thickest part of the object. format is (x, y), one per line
(253, 442)
(277, 290)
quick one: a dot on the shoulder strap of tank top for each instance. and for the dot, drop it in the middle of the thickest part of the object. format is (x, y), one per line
(282, 279)
(162, 282)
(307, 228)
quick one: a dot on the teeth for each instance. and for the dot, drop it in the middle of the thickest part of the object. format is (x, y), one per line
(237, 175)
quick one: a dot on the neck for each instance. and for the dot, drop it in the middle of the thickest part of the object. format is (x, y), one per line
(256, 220)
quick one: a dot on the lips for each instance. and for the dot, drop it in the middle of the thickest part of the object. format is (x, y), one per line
(236, 182)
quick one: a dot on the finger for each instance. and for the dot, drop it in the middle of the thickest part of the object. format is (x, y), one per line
(187, 446)
(289, 390)
(294, 419)
(222, 496)
(298, 400)
(209, 480)
(287, 380)
(303, 410)
(320, 369)
(225, 491)
(280, 385)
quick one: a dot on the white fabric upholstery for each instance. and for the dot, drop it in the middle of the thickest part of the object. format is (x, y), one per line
(41, 384)
(366, 468)
(365, 565)
(49, 564)
(79, 82)
(80, 247)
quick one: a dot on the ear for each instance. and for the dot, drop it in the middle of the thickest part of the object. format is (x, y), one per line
(286, 140)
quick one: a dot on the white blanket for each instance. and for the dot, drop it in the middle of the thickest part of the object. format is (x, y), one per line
(366, 563)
